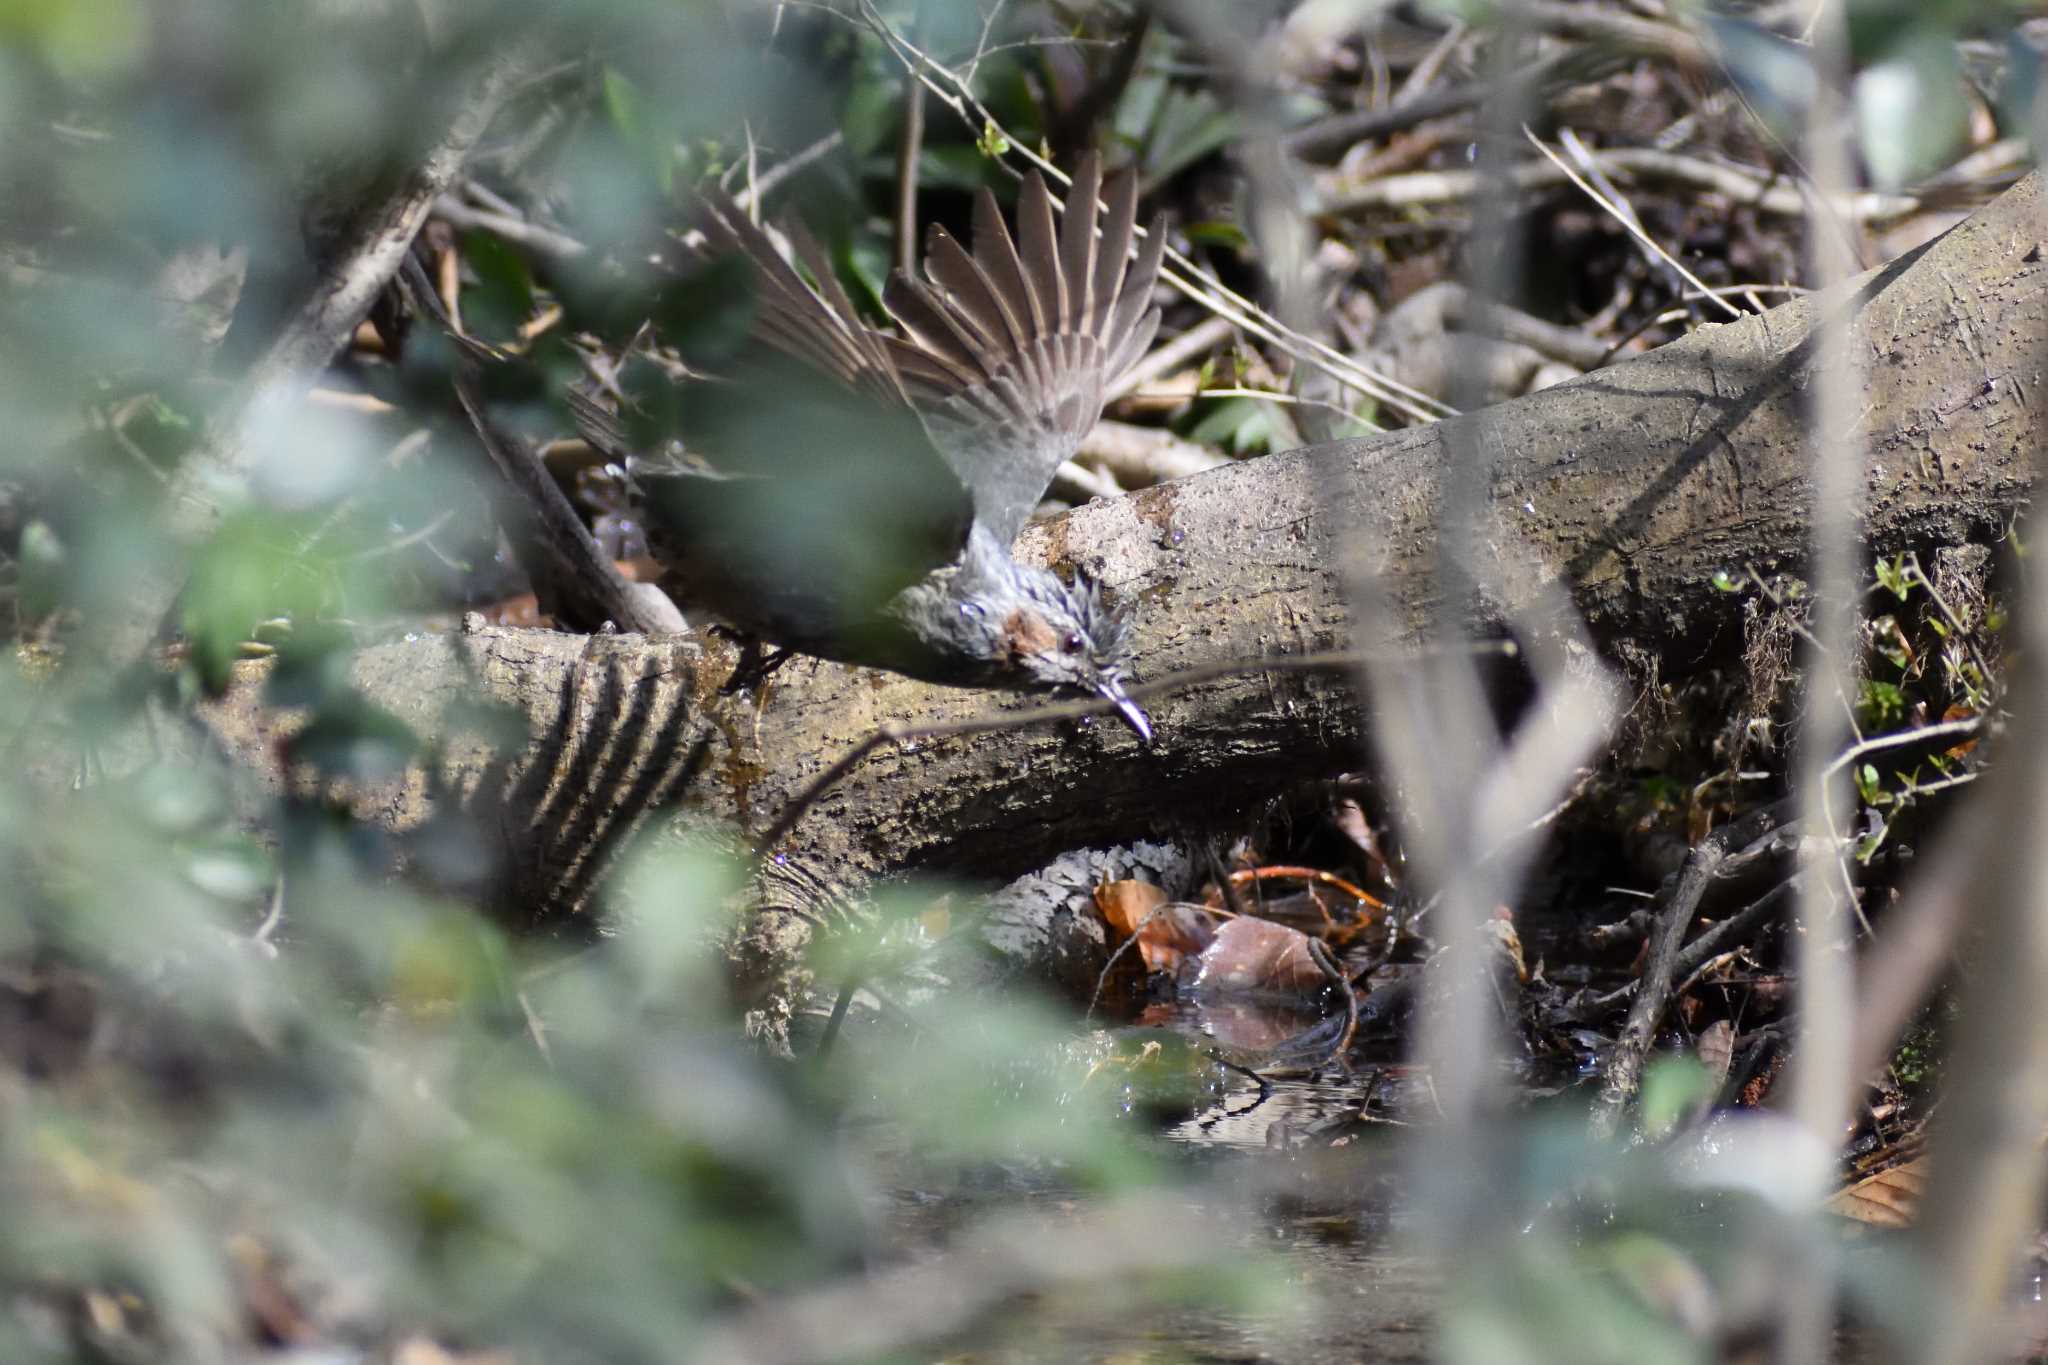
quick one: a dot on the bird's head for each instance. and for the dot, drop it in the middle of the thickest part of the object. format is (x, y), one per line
(1039, 631)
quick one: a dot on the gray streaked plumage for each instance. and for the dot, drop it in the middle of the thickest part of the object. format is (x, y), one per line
(857, 492)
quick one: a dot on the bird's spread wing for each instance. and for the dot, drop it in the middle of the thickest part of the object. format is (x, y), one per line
(1012, 347)
(821, 329)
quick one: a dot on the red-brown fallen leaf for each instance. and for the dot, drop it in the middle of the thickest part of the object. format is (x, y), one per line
(1125, 904)
(1167, 934)
(1889, 1199)
(1258, 955)
(1179, 931)
(1958, 711)
(522, 610)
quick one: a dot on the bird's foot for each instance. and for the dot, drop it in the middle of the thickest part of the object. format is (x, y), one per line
(756, 662)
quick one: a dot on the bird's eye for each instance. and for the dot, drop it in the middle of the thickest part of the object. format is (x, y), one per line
(1074, 642)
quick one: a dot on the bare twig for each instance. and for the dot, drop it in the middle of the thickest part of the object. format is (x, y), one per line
(765, 182)
(1709, 861)
(908, 150)
(541, 241)
(1163, 360)
(1903, 739)
(1340, 193)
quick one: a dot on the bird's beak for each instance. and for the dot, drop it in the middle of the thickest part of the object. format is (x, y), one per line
(1112, 691)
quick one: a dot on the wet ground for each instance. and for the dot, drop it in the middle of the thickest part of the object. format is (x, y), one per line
(1293, 1181)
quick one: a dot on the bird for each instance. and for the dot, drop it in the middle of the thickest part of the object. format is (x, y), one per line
(852, 493)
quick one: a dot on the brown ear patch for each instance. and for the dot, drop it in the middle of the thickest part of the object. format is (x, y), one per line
(1026, 632)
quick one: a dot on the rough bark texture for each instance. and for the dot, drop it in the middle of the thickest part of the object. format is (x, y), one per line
(1632, 487)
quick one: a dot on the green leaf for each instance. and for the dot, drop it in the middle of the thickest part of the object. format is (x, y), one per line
(237, 581)
(356, 740)
(1187, 126)
(709, 316)
(623, 104)
(501, 300)
(1219, 232)
(81, 38)
(1893, 577)
(1239, 424)
(41, 572)
(1911, 112)
(1774, 75)
(869, 116)
(1662, 792)
(639, 125)
(231, 867)
(1880, 705)
(1672, 1088)
(177, 800)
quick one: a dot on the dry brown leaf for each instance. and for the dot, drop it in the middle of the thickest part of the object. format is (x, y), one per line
(1167, 934)
(1123, 905)
(1258, 955)
(1716, 1049)
(1889, 1199)
(1501, 929)
(1179, 931)
(1958, 711)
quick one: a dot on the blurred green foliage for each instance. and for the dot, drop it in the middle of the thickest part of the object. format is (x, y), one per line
(233, 1015)
(227, 1019)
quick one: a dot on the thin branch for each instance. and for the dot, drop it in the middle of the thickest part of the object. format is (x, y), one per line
(1904, 739)
(1341, 193)
(907, 153)
(575, 567)
(1709, 862)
